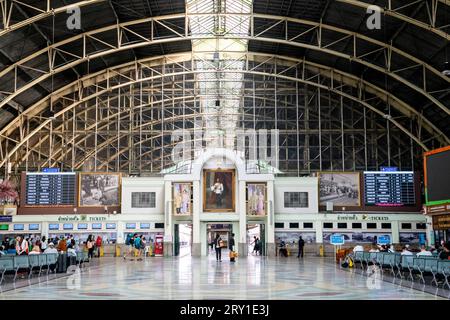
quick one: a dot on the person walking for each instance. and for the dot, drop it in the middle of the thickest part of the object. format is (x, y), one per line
(90, 246)
(98, 244)
(255, 243)
(130, 243)
(231, 247)
(301, 245)
(218, 246)
(137, 246)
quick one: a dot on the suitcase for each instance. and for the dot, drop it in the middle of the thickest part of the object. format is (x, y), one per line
(61, 264)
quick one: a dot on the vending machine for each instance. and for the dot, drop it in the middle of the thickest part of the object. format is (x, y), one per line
(159, 245)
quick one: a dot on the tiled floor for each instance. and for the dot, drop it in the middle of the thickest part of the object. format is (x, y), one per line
(204, 278)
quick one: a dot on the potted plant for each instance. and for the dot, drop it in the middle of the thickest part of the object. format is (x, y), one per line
(8, 193)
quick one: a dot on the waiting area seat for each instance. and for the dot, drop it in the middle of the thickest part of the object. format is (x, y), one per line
(10, 264)
(410, 265)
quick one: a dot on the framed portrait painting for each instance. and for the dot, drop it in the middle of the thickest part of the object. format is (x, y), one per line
(182, 204)
(218, 190)
(256, 199)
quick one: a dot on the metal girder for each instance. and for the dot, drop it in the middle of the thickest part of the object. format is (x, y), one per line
(118, 44)
(330, 73)
(110, 88)
(394, 12)
(52, 10)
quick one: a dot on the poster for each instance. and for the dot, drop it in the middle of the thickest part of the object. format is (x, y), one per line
(291, 237)
(413, 237)
(182, 204)
(99, 189)
(342, 189)
(218, 190)
(256, 199)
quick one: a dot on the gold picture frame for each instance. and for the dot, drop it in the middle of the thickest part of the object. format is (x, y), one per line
(179, 199)
(340, 204)
(254, 205)
(227, 180)
(82, 198)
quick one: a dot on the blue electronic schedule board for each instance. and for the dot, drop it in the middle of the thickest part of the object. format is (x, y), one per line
(389, 188)
(50, 188)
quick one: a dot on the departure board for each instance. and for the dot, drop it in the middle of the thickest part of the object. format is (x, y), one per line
(50, 189)
(389, 188)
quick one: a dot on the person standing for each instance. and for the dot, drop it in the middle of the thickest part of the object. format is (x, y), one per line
(218, 246)
(137, 246)
(90, 246)
(130, 244)
(301, 245)
(231, 247)
(217, 188)
(21, 246)
(98, 244)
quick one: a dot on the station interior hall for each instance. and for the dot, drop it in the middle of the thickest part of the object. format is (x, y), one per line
(235, 149)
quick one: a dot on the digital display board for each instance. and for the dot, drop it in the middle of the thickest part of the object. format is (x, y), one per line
(82, 226)
(145, 225)
(4, 227)
(68, 226)
(130, 226)
(385, 188)
(50, 189)
(33, 226)
(18, 227)
(53, 226)
(96, 226)
(437, 176)
(110, 226)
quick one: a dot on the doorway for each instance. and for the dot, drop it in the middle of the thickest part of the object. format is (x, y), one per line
(182, 237)
(256, 235)
(224, 231)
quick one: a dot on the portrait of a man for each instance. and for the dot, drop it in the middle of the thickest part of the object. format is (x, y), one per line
(218, 189)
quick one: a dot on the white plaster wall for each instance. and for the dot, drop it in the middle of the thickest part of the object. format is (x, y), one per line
(142, 184)
(302, 184)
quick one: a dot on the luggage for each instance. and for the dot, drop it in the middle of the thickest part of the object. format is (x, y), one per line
(61, 263)
(71, 261)
(233, 255)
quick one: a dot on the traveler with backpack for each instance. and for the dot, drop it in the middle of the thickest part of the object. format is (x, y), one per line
(130, 243)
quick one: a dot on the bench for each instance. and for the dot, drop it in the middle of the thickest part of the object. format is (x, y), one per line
(443, 269)
(6, 265)
(13, 264)
(82, 259)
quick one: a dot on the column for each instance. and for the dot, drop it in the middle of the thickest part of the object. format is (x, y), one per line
(241, 207)
(430, 231)
(236, 232)
(395, 232)
(44, 229)
(196, 237)
(168, 228)
(318, 224)
(270, 225)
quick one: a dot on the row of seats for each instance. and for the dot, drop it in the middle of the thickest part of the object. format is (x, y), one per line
(49, 261)
(400, 264)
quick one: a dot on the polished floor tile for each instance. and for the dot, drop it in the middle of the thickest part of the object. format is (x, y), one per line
(204, 278)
